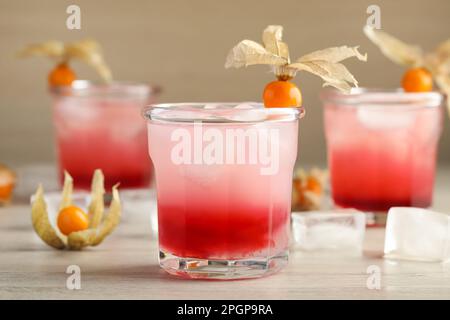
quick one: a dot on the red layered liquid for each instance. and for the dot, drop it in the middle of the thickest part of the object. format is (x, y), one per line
(125, 163)
(223, 211)
(373, 181)
(208, 231)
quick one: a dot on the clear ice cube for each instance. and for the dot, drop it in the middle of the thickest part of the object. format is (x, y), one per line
(246, 115)
(140, 207)
(417, 234)
(211, 106)
(339, 230)
(374, 118)
(246, 105)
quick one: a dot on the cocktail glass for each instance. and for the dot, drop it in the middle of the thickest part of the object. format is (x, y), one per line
(382, 148)
(224, 181)
(100, 126)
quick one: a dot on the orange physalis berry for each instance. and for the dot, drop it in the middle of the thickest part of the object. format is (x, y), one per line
(7, 182)
(6, 192)
(62, 75)
(313, 185)
(278, 94)
(417, 80)
(72, 219)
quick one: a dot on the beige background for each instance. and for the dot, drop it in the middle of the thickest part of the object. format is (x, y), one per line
(182, 45)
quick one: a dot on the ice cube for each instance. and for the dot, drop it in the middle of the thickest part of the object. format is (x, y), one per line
(204, 176)
(139, 206)
(211, 106)
(246, 115)
(339, 230)
(375, 118)
(246, 105)
(417, 234)
(184, 115)
(75, 110)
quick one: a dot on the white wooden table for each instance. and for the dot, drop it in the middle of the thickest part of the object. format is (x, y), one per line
(125, 266)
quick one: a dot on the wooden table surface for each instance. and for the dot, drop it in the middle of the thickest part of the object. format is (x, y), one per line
(125, 267)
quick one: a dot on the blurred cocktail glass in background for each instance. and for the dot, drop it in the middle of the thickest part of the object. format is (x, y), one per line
(382, 148)
(101, 127)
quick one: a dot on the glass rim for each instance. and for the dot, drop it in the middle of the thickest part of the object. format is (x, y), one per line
(116, 89)
(383, 97)
(221, 113)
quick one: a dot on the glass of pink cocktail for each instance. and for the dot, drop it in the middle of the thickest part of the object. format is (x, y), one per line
(223, 178)
(382, 148)
(100, 126)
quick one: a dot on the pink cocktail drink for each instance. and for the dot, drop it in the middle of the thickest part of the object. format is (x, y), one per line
(101, 127)
(223, 200)
(382, 148)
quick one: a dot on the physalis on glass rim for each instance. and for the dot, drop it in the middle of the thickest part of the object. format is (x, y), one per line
(62, 54)
(422, 67)
(274, 52)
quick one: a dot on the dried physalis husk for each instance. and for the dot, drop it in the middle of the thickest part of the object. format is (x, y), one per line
(323, 63)
(41, 222)
(308, 189)
(7, 183)
(94, 236)
(100, 225)
(97, 206)
(88, 51)
(396, 50)
(326, 64)
(437, 61)
(51, 49)
(66, 197)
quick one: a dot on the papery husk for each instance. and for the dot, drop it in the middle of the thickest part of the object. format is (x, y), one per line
(247, 53)
(333, 74)
(94, 236)
(51, 49)
(394, 49)
(81, 239)
(97, 205)
(437, 62)
(66, 198)
(323, 63)
(334, 54)
(443, 49)
(272, 39)
(326, 64)
(88, 51)
(99, 227)
(111, 220)
(439, 59)
(444, 83)
(304, 199)
(41, 222)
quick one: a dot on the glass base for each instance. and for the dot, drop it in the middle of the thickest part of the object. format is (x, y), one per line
(193, 268)
(376, 219)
